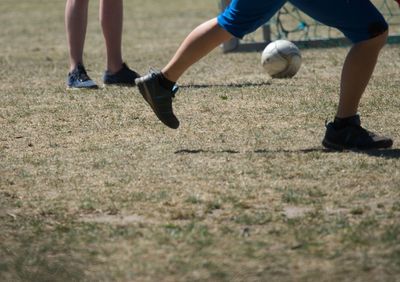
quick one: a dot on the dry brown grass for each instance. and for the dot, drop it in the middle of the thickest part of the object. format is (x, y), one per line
(94, 187)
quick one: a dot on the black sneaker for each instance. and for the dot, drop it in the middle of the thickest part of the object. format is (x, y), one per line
(124, 77)
(79, 79)
(159, 98)
(353, 136)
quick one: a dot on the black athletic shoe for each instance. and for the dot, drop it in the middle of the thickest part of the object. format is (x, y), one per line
(79, 79)
(124, 77)
(353, 136)
(159, 98)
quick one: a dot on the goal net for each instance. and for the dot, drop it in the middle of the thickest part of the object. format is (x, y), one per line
(290, 23)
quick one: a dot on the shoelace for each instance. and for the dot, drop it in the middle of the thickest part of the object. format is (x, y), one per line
(363, 131)
(81, 75)
(154, 74)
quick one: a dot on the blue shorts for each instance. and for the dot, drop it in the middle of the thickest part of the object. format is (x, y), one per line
(359, 20)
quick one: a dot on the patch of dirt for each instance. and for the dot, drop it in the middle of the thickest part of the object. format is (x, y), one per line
(116, 219)
(295, 212)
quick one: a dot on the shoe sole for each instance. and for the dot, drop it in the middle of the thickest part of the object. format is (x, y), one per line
(116, 85)
(332, 146)
(147, 97)
(81, 88)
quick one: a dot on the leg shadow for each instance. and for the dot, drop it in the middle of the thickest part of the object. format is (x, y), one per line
(230, 85)
(387, 153)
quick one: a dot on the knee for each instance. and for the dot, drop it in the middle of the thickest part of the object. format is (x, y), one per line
(78, 2)
(379, 33)
(381, 39)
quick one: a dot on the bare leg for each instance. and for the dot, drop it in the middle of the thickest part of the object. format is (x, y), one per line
(357, 70)
(111, 19)
(202, 40)
(75, 25)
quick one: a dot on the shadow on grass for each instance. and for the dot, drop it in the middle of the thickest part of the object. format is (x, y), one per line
(387, 154)
(232, 85)
(201, 151)
(260, 151)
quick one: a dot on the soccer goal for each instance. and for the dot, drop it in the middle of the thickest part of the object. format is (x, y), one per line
(290, 23)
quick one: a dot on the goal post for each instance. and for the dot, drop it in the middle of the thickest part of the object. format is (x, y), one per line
(291, 24)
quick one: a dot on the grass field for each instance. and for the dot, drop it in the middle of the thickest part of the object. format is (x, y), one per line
(94, 188)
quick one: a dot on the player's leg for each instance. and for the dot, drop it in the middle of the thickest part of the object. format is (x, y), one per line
(111, 20)
(240, 18)
(75, 24)
(201, 41)
(362, 23)
(356, 73)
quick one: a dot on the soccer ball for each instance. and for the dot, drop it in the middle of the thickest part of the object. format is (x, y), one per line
(281, 59)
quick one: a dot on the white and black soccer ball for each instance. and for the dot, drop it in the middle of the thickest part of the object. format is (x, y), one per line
(281, 59)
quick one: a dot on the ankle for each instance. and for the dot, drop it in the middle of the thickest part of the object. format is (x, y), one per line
(165, 82)
(114, 68)
(74, 66)
(340, 123)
